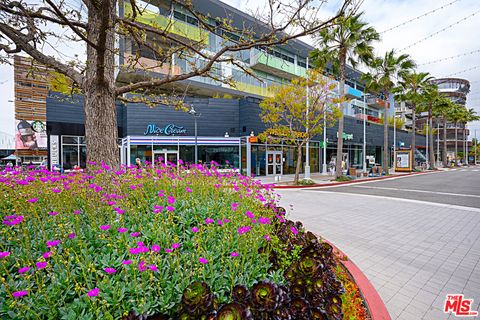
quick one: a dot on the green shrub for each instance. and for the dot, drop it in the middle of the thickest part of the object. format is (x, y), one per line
(343, 178)
(306, 182)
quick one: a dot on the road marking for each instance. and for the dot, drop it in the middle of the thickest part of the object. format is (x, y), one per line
(475, 170)
(436, 204)
(421, 191)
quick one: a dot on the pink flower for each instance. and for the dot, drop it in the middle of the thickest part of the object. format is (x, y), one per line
(153, 267)
(4, 254)
(294, 231)
(94, 292)
(195, 229)
(161, 193)
(209, 220)
(71, 235)
(234, 254)
(23, 270)
(243, 230)
(53, 243)
(77, 212)
(133, 187)
(53, 213)
(135, 250)
(126, 262)
(47, 254)
(33, 200)
(267, 237)
(141, 266)
(41, 264)
(109, 270)
(18, 294)
(220, 222)
(264, 220)
(135, 234)
(250, 214)
(168, 250)
(111, 203)
(122, 230)
(202, 260)
(56, 190)
(170, 208)
(12, 220)
(155, 248)
(171, 200)
(175, 246)
(234, 206)
(105, 227)
(188, 189)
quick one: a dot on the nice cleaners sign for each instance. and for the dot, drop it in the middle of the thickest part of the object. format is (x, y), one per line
(168, 130)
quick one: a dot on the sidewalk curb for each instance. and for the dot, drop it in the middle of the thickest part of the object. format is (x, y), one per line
(374, 302)
(331, 184)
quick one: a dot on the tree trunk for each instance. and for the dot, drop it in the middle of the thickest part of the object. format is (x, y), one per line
(101, 131)
(341, 89)
(465, 156)
(456, 140)
(414, 133)
(444, 155)
(385, 139)
(299, 163)
(430, 135)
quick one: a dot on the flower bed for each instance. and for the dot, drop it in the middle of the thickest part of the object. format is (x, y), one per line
(156, 243)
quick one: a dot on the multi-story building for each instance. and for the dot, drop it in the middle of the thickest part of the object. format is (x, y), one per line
(456, 89)
(227, 114)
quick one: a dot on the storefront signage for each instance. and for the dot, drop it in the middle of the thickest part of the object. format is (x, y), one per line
(253, 139)
(168, 130)
(30, 135)
(54, 152)
(347, 136)
(403, 160)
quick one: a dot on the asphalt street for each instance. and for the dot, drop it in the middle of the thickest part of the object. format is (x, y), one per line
(459, 187)
(416, 238)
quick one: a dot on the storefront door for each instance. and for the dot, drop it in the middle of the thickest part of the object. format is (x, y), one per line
(166, 156)
(274, 163)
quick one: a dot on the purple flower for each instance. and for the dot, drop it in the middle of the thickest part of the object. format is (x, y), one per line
(18, 294)
(234, 254)
(195, 229)
(77, 212)
(33, 200)
(161, 193)
(12, 220)
(155, 248)
(125, 262)
(250, 214)
(202, 260)
(220, 222)
(171, 200)
(141, 266)
(47, 254)
(111, 203)
(294, 231)
(170, 208)
(188, 189)
(209, 220)
(267, 237)
(105, 227)
(56, 190)
(168, 250)
(243, 230)
(135, 234)
(52, 243)
(153, 267)
(23, 270)
(109, 270)
(4, 254)
(175, 246)
(53, 213)
(264, 220)
(122, 230)
(71, 235)
(94, 292)
(234, 206)
(135, 250)
(41, 264)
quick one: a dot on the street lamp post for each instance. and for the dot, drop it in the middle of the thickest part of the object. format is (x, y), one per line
(364, 133)
(324, 166)
(195, 115)
(476, 147)
(307, 147)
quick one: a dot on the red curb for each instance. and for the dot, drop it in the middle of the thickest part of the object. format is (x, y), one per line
(344, 182)
(375, 304)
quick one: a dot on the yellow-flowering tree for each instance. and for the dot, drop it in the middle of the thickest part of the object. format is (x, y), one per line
(288, 118)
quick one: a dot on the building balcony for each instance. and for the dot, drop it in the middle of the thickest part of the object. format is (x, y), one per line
(352, 92)
(367, 117)
(268, 63)
(376, 103)
(150, 65)
(172, 26)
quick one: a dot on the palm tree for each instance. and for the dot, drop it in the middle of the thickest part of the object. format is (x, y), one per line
(429, 98)
(412, 86)
(384, 71)
(441, 111)
(467, 116)
(456, 114)
(349, 40)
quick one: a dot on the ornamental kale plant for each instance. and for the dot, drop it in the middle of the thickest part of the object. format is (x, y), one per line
(110, 244)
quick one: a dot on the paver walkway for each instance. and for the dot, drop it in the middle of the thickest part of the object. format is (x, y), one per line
(414, 253)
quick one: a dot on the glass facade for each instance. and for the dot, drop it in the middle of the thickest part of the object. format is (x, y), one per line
(74, 152)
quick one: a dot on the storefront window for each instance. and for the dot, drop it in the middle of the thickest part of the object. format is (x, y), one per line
(74, 152)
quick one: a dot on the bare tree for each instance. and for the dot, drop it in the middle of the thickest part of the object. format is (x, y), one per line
(96, 24)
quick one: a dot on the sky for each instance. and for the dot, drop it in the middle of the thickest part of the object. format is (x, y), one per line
(459, 39)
